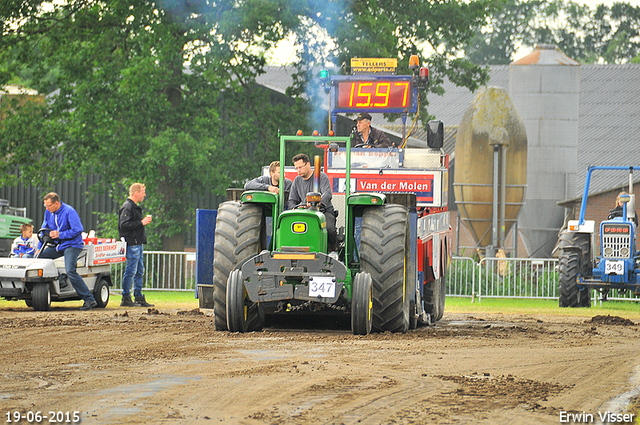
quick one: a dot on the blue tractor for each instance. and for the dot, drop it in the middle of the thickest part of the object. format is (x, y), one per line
(616, 266)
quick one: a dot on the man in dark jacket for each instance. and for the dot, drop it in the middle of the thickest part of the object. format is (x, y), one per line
(368, 136)
(270, 182)
(66, 227)
(131, 227)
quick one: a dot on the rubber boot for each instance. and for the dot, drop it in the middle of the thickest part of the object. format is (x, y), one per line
(142, 302)
(126, 301)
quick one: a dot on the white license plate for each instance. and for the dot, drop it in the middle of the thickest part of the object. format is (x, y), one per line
(322, 287)
(614, 267)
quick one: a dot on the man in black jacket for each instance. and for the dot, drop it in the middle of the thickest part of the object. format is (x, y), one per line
(131, 227)
(369, 137)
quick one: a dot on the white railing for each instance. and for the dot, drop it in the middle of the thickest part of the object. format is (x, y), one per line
(503, 277)
(491, 277)
(164, 271)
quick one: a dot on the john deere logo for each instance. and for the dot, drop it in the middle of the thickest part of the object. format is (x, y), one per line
(299, 227)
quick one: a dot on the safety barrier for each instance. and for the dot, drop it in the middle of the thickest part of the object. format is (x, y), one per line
(164, 271)
(503, 277)
(490, 277)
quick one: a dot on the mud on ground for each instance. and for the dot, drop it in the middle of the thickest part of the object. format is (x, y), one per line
(166, 366)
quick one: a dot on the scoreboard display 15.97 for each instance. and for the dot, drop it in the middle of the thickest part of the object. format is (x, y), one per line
(394, 94)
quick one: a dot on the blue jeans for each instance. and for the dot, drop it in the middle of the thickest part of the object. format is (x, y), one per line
(70, 264)
(134, 270)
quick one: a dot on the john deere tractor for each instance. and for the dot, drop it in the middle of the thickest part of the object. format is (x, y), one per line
(285, 267)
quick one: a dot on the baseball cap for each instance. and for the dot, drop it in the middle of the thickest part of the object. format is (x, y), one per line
(363, 116)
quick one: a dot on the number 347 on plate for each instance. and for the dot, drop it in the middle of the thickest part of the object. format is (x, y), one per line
(322, 287)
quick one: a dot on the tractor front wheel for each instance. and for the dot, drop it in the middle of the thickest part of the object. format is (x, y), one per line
(362, 304)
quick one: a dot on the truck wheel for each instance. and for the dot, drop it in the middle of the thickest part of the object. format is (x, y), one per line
(41, 297)
(362, 304)
(101, 292)
(240, 234)
(570, 294)
(29, 303)
(434, 297)
(384, 254)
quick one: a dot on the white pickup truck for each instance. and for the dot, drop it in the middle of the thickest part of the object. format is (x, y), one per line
(40, 281)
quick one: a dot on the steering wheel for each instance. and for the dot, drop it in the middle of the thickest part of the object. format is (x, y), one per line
(45, 239)
(359, 145)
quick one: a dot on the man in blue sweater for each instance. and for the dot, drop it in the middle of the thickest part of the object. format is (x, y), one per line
(66, 226)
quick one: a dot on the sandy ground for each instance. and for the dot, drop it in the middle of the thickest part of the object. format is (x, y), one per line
(139, 366)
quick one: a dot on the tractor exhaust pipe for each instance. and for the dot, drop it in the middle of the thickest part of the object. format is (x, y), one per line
(316, 172)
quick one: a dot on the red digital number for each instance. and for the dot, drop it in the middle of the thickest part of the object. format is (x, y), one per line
(374, 94)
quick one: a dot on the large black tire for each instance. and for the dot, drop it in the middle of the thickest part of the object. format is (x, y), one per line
(101, 292)
(570, 294)
(41, 297)
(362, 304)
(384, 254)
(237, 307)
(434, 297)
(240, 234)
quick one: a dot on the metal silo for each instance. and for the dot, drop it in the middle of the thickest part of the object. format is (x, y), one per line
(491, 167)
(545, 88)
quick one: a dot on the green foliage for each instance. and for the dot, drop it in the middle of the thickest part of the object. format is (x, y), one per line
(607, 34)
(164, 92)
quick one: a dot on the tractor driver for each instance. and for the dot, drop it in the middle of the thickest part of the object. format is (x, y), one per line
(303, 184)
(617, 210)
(368, 136)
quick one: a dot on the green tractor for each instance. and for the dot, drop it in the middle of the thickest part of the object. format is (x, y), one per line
(371, 277)
(11, 218)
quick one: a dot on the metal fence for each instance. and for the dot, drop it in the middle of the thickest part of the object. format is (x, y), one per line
(503, 277)
(164, 271)
(513, 278)
(466, 277)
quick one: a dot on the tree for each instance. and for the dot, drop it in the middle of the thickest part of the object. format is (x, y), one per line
(164, 91)
(601, 35)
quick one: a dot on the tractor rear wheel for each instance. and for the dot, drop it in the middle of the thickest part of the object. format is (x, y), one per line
(240, 234)
(570, 294)
(362, 304)
(384, 254)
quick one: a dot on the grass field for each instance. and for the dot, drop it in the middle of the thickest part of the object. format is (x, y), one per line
(186, 300)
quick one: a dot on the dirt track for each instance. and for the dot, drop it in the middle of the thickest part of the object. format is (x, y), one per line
(138, 366)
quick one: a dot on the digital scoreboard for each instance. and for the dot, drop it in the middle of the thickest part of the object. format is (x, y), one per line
(389, 93)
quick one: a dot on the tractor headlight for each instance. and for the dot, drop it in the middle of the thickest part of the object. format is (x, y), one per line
(608, 251)
(624, 252)
(34, 273)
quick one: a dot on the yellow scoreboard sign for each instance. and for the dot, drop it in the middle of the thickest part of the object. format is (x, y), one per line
(373, 65)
